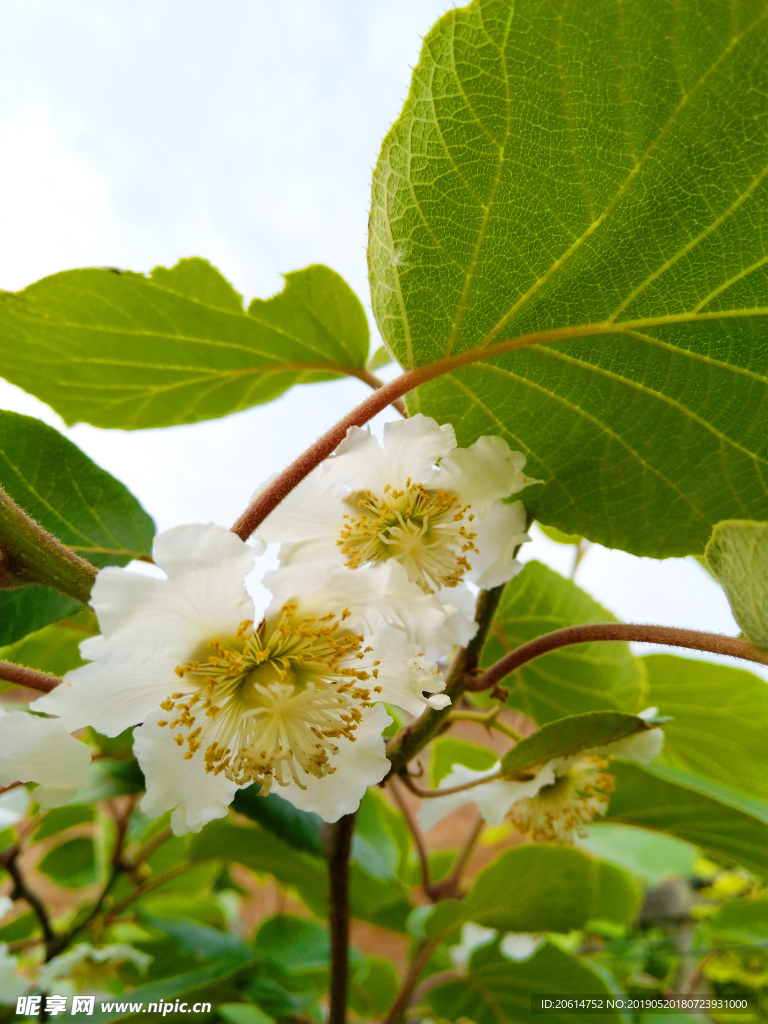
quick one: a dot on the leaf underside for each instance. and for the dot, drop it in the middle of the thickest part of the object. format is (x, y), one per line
(561, 165)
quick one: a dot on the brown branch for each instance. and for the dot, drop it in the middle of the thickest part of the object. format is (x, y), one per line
(21, 891)
(600, 631)
(402, 1002)
(449, 886)
(338, 842)
(375, 382)
(30, 677)
(387, 394)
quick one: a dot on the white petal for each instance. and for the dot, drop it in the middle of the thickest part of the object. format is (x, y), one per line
(415, 444)
(520, 946)
(119, 594)
(473, 936)
(404, 676)
(358, 765)
(641, 746)
(52, 796)
(313, 509)
(188, 549)
(112, 694)
(197, 796)
(13, 806)
(500, 530)
(485, 471)
(493, 799)
(41, 750)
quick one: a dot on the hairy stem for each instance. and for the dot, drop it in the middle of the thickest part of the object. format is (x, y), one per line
(669, 635)
(338, 842)
(30, 677)
(387, 394)
(416, 735)
(402, 1002)
(32, 555)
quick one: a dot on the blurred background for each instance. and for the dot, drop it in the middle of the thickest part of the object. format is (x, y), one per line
(245, 131)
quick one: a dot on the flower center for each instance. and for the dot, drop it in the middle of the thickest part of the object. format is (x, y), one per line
(424, 530)
(563, 809)
(269, 704)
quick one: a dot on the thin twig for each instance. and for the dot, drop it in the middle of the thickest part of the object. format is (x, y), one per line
(600, 631)
(148, 886)
(338, 842)
(427, 794)
(149, 847)
(402, 1002)
(21, 891)
(418, 837)
(450, 885)
(30, 677)
(488, 349)
(489, 719)
(434, 981)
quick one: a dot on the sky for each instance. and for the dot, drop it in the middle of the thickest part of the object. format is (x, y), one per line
(245, 131)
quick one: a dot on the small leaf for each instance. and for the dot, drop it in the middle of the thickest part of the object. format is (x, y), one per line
(571, 680)
(568, 736)
(558, 536)
(373, 987)
(108, 779)
(719, 720)
(447, 751)
(737, 554)
(619, 895)
(380, 357)
(55, 648)
(497, 991)
(71, 864)
(27, 609)
(293, 944)
(128, 351)
(729, 835)
(380, 844)
(300, 829)
(652, 856)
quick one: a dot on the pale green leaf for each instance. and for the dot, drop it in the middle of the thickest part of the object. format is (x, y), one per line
(124, 350)
(581, 188)
(651, 856)
(539, 888)
(54, 648)
(568, 736)
(497, 991)
(719, 720)
(571, 680)
(644, 799)
(379, 358)
(737, 554)
(27, 609)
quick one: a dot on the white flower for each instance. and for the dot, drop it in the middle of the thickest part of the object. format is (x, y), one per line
(445, 525)
(563, 795)
(12, 984)
(89, 969)
(224, 703)
(40, 750)
(13, 806)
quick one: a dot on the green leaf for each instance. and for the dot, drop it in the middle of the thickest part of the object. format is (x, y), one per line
(539, 888)
(379, 358)
(20, 927)
(201, 909)
(747, 918)
(571, 680)
(54, 648)
(262, 851)
(737, 554)
(558, 536)
(243, 1013)
(719, 720)
(592, 170)
(300, 829)
(651, 856)
(293, 944)
(380, 844)
(61, 818)
(26, 609)
(447, 751)
(70, 496)
(108, 779)
(723, 832)
(373, 987)
(199, 940)
(568, 736)
(497, 991)
(128, 351)
(71, 864)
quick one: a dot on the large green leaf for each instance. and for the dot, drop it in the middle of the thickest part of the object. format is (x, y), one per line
(70, 496)
(737, 553)
(71, 864)
(571, 680)
(719, 720)
(598, 171)
(123, 350)
(540, 888)
(645, 799)
(567, 736)
(497, 991)
(299, 829)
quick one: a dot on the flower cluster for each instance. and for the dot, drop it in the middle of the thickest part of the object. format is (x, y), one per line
(377, 547)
